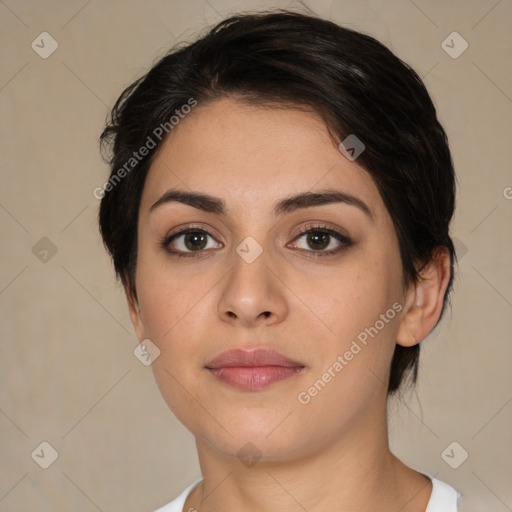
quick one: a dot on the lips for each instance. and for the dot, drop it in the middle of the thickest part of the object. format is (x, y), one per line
(252, 358)
(252, 370)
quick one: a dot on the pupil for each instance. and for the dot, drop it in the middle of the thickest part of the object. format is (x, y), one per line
(191, 240)
(319, 238)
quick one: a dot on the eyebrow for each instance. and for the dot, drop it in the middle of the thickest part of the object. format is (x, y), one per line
(217, 206)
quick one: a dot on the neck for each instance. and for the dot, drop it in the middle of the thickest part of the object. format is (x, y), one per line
(355, 472)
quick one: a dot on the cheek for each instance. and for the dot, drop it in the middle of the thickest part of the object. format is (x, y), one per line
(174, 312)
(167, 296)
(357, 317)
(178, 312)
(352, 360)
(350, 299)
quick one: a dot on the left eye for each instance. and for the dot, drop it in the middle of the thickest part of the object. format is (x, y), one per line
(323, 240)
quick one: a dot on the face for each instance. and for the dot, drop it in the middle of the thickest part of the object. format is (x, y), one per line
(317, 279)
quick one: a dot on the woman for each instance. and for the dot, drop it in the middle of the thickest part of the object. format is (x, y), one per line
(278, 212)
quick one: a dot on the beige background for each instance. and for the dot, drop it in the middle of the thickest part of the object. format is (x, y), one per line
(68, 372)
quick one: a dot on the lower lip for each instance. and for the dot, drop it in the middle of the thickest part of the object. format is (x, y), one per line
(255, 377)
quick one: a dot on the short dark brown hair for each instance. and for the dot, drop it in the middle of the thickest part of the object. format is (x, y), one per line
(356, 84)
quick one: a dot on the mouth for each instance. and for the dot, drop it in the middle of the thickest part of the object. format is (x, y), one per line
(252, 370)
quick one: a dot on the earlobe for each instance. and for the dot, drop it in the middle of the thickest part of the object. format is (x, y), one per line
(425, 299)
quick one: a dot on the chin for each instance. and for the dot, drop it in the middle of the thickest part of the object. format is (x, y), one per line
(263, 436)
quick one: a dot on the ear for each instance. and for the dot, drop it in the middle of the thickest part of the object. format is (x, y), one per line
(135, 313)
(424, 300)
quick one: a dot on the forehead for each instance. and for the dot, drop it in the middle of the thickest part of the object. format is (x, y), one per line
(250, 156)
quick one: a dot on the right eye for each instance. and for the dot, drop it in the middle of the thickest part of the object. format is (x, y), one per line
(187, 242)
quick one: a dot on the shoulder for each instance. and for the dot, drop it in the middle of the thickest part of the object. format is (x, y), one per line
(177, 504)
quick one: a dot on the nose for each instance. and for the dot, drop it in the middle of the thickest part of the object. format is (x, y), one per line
(253, 294)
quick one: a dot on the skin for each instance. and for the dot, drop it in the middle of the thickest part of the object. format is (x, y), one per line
(332, 453)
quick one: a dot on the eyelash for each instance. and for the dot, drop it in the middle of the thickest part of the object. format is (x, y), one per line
(343, 239)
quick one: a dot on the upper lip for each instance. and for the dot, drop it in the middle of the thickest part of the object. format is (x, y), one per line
(251, 358)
